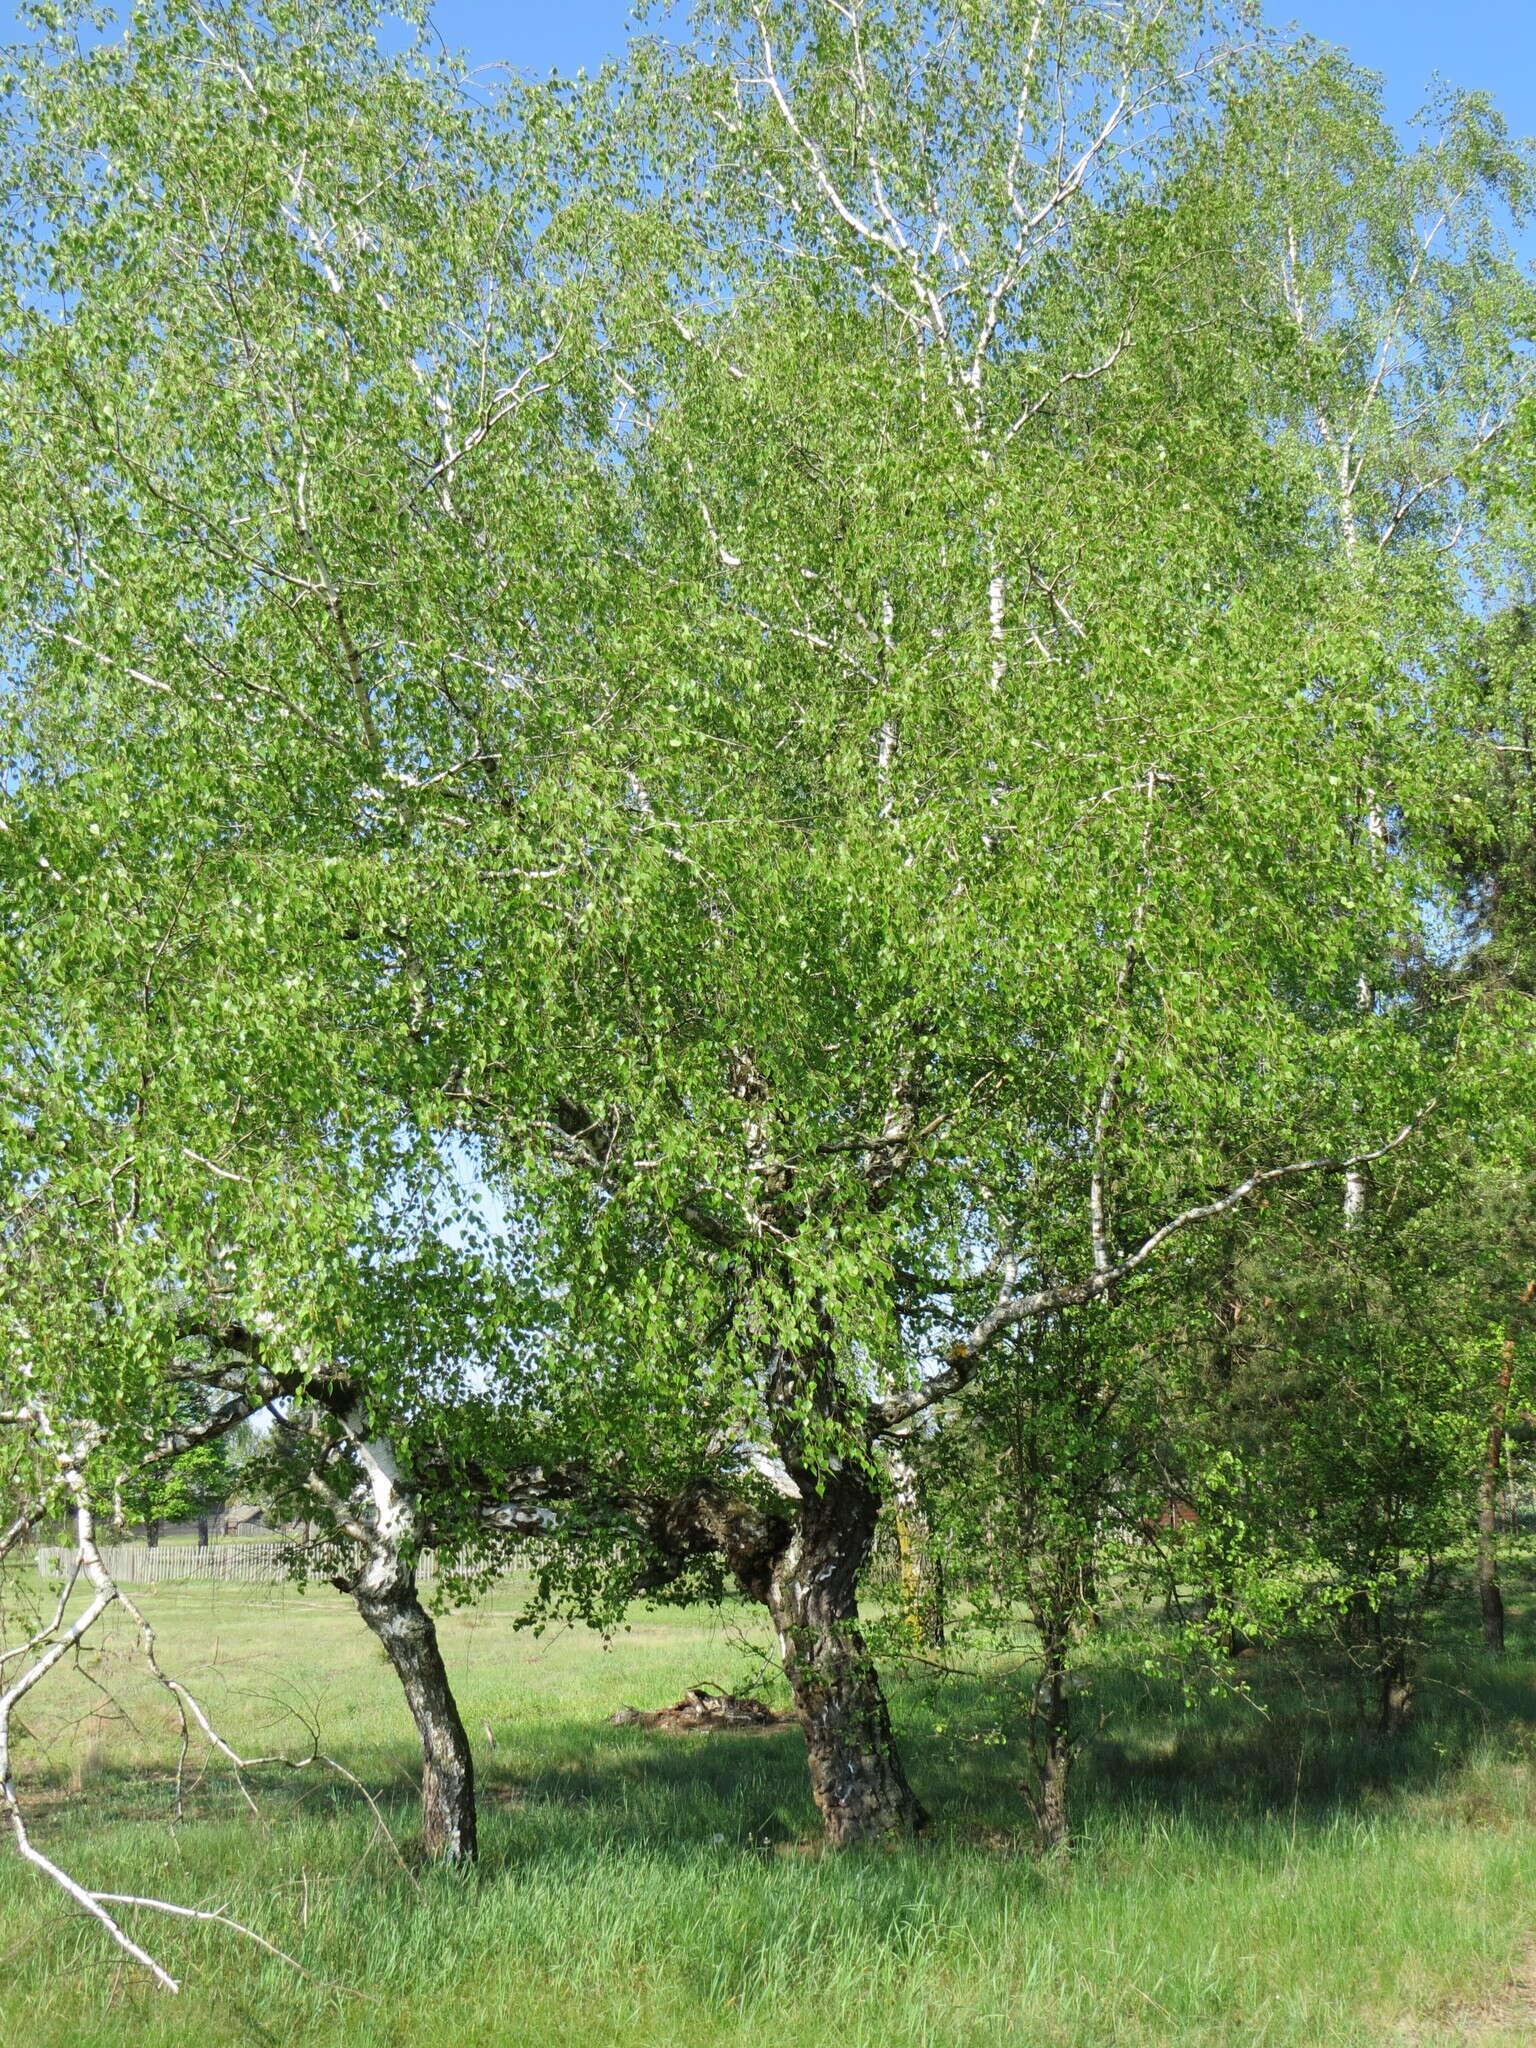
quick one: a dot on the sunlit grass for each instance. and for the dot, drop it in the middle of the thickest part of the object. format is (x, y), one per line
(1247, 1872)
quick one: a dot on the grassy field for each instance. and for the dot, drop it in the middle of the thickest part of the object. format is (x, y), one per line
(1244, 1877)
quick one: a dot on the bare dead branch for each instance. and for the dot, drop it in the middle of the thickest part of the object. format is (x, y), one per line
(237, 1926)
(58, 1640)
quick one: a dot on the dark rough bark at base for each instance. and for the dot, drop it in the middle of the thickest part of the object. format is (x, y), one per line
(857, 1780)
(933, 1606)
(1053, 1753)
(1396, 1698)
(1491, 1602)
(1489, 1598)
(409, 1637)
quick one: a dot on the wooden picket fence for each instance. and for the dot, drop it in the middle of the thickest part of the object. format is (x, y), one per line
(243, 1562)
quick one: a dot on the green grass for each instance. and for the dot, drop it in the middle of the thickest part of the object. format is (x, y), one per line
(1243, 1876)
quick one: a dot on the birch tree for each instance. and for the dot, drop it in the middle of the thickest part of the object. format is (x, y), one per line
(266, 307)
(779, 621)
(1004, 863)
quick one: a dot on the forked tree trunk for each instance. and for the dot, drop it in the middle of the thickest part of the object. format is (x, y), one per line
(1387, 1662)
(390, 1606)
(857, 1780)
(1362, 1624)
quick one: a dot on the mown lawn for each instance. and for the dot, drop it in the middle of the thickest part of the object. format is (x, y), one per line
(1246, 1874)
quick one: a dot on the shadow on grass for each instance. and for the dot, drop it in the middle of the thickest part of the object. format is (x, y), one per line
(1148, 1753)
(1267, 1745)
(1289, 1745)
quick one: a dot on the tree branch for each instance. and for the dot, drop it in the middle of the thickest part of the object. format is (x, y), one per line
(1012, 1308)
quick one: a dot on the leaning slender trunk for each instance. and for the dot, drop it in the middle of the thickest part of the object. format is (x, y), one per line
(857, 1780)
(385, 1592)
(389, 1604)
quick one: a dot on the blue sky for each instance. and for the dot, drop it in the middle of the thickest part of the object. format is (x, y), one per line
(1487, 44)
